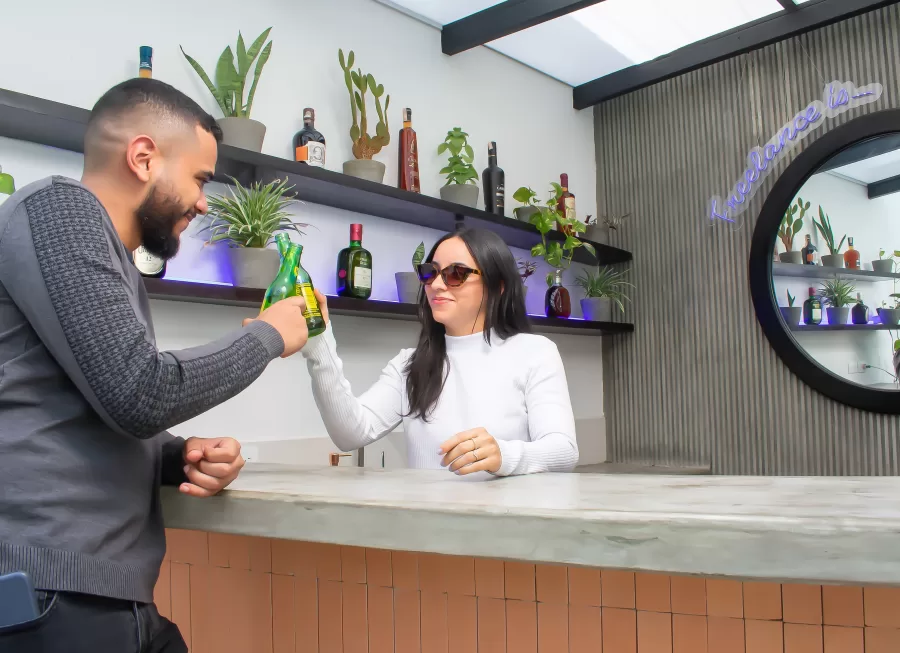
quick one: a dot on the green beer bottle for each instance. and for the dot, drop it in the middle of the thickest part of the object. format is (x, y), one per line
(292, 280)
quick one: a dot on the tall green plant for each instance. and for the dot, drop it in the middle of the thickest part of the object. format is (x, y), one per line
(824, 227)
(605, 282)
(231, 80)
(364, 146)
(838, 293)
(459, 168)
(250, 217)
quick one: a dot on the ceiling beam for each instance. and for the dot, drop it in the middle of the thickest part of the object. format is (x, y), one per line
(883, 187)
(502, 20)
(752, 36)
(788, 5)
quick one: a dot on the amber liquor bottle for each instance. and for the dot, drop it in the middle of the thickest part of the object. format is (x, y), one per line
(309, 144)
(354, 267)
(851, 256)
(408, 164)
(557, 302)
(493, 182)
(566, 203)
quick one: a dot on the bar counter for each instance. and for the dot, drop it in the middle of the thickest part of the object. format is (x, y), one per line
(350, 559)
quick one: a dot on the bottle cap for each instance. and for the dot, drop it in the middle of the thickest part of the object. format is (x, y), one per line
(492, 148)
(146, 53)
(812, 292)
(564, 180)
(407, 115)
(356, 231)
(309, 113)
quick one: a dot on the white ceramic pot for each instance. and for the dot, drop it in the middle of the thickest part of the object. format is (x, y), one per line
(253, 267)
(365, 169)
(242, 132)
(408, 287)
(791, 257)
(597, 309)
(792, 314)
(465, 194)
(832, 260)
(838, 315)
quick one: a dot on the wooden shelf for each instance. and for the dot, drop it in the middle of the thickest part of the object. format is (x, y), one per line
(821, 272)
(50, 123)
(209, 293)
(842, 327)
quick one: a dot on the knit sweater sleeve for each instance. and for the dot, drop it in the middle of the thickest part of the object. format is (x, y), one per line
(78, 300)
(551, 445)
(353, 422)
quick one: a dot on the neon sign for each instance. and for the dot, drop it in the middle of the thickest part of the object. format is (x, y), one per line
(838, 97)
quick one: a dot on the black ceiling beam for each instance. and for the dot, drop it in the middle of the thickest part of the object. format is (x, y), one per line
(752, 36)
(502, 20)
(861, 151)
(883, 187)
(788, 5)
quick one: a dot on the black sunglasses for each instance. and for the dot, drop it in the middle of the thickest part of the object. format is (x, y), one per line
(454, 275)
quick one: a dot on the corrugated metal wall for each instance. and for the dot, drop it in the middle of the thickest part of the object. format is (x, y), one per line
(698, 382)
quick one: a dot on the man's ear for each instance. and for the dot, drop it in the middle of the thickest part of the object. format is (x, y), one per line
(140, 155)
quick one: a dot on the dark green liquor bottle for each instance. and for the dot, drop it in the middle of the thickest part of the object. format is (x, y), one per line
(354, 267)
(812, 309)
(304, 288)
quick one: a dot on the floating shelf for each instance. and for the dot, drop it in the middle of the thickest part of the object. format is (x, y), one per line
(821, 272)
(28, 118)
(842, 327)
(209, 293)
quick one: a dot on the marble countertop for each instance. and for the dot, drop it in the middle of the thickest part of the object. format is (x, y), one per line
(812, 529)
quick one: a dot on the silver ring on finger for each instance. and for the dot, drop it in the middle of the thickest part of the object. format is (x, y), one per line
(475, 453)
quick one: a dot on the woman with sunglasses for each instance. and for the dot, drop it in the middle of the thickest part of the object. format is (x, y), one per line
(479, 393)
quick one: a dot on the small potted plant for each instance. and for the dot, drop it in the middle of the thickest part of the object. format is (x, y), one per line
(790, 228)
(528, 199)
(600, 230)
(890, 315)
(601, 289)
(365, 146)
(526, 269)
(885, 265)
(791, 314)
(246, 221)
(835, 259)
(231, 80)
(408, 285)
(461, 185)
(838, 295)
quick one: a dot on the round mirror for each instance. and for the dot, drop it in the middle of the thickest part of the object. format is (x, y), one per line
(825, 263)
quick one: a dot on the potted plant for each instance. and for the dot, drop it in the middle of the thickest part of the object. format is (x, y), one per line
(790, 228)
(890, 315)
(600, 230)
(601, 289)
(247, 221)
(835, 259)
(558, 255)
(791, 313)
(885, 265)
(838, 295)
(528, 199)
(461, 185)
(365, 146)
(408, 285)
(231, 79)
(526, 269)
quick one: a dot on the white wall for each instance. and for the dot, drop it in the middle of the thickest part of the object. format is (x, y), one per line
(84, 48)
(873, 224)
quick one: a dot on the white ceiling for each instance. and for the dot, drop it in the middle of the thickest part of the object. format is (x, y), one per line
(604, 37)
(877, 168)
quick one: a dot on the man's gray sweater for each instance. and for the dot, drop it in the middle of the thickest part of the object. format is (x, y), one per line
(85, 398)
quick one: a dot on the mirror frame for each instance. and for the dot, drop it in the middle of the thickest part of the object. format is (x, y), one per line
(765, 234)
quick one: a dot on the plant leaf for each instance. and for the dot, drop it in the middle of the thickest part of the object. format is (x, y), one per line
(206, 80)
(242, 59)
(537, 250)
(590, 248)
(263, 58)
(351, 58)
(470, 153)
(442, 148)
(341, 58)
(256, 46)
(228, 82)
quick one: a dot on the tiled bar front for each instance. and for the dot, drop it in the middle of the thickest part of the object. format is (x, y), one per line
(255, 594)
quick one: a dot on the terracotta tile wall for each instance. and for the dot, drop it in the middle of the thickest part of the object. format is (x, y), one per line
(247, 595)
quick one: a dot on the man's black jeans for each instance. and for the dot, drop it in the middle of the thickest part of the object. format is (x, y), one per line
(76, 623)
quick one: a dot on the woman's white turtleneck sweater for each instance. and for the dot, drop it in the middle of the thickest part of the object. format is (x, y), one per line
(515, 389)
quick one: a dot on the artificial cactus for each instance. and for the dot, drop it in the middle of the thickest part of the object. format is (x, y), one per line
(364, 146)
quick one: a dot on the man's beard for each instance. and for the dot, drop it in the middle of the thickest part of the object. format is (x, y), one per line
(157, 216)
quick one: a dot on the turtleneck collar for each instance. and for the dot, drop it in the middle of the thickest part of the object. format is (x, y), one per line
(471, 342)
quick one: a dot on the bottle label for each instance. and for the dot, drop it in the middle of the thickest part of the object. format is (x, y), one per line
(570, 208)
(305, 290)
(362, 277)
(146, 263)
(499, 195)
(816, 314)
(312, 153)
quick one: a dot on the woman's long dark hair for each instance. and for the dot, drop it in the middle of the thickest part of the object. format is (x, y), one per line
(504, 312)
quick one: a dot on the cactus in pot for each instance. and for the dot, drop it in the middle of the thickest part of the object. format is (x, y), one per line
(365, 146)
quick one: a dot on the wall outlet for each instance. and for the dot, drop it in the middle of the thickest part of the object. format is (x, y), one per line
(857, 368)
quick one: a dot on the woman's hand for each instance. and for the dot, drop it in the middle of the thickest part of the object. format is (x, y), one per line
(474, 450)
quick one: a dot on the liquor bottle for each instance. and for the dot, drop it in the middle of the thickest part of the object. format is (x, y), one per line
(809, 252)
(408, 165)
(860, 313)
(146, 66)
(812, 309)
(566, 203)
(493, 182)
(149, 265)
(7, 186)
(851, 256)
(354, 267)
(557, 302)
(309, 144)
(291, 281)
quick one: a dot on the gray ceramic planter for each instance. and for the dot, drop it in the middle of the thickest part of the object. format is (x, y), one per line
(838, 315)
(253, 267)
(832, 261)
(524, 213)
(465, 194)
(791, 257)
(597, 309)
(365, 169)
(792, 314)
(243, 132)
(889, 316)
(883, 266)
(407, 287)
